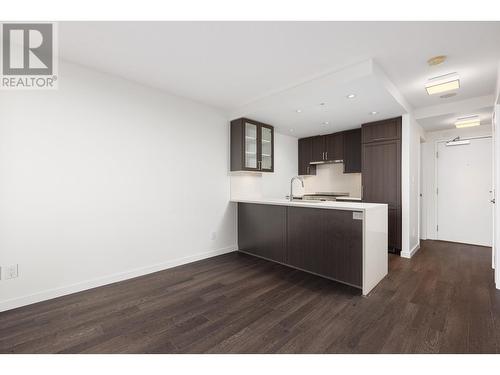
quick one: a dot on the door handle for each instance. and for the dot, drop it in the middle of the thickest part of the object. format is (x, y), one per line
(492, 200)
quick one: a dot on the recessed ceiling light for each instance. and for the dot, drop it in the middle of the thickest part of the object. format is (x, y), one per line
(351, 96)
(322, 103)
(291, 130)
(326, 123)
(436, 60)
(298, 110)
(373, 112)
(443, 83)
(467, 121)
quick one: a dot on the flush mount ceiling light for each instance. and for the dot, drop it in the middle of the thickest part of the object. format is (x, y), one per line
(326, 123)
(373, 112)
(291, 130)
(298, 110)
(351, 96)
(443, 83)
(436, 60)
(467, 121)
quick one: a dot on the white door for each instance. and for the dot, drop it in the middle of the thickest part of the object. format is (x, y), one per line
(464, 182)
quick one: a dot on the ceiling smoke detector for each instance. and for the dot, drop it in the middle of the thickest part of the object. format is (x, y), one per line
(436, 60)
(450, 95)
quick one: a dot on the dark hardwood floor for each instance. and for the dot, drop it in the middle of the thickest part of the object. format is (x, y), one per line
(441, 301)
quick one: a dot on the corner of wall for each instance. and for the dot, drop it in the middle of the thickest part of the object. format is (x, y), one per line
(405, 186)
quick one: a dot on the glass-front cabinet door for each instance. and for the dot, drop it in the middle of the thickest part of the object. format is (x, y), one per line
(252, 146)
(266, 146)
(251, 143)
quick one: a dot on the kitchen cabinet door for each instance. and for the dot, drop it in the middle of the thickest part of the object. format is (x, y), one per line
(352, 151)
(384, 130)
(381, 172)
(252, 146)
(318, 148)
(266, 137)
(394, 228)
(305, 157)
(306, 239)
(334, 147)
(343, 255)
(262, 230)
(326, 242)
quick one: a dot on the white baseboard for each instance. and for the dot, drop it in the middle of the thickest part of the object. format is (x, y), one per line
(411, 253)
(93, 283)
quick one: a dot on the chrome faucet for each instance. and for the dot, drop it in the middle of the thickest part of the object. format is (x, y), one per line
(291, 185)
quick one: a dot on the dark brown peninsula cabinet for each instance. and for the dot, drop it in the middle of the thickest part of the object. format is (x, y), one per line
(325, 242)
(252, 146)
(381, 171)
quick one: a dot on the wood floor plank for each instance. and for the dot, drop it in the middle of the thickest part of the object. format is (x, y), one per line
(443, 300)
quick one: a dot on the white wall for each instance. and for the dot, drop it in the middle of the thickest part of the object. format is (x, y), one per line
(429, 157)
(105, 179)
(411, 135)
(254, 185)
(331, 178)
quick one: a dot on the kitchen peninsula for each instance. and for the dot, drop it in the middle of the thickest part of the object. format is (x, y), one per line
(342, 241)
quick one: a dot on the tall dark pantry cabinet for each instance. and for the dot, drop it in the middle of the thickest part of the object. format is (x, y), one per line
(381, 171)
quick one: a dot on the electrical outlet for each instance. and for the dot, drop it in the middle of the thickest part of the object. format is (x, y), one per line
(9, 272)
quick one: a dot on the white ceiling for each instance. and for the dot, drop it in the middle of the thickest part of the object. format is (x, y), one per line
(231, 65)
(447, 120)
(324, 100)
(443, 116)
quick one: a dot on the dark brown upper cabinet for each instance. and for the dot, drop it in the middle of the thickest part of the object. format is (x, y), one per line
(252, 146)
(352, 151)
(318, 149)
(305, 157)
(327, 148)
(385, 130)
(334, 147)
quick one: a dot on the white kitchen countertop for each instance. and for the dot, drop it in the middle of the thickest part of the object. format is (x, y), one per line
(351, 206)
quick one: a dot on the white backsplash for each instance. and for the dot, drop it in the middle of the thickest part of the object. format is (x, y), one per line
(331, 178)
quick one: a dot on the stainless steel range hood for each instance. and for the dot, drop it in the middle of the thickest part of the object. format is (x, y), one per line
(328, 161)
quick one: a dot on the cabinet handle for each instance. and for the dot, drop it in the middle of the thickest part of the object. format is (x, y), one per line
(326, 155)
(323, 155)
